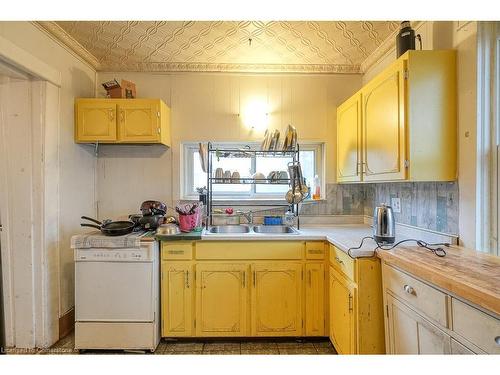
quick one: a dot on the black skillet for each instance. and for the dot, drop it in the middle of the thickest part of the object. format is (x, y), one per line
(111, 228)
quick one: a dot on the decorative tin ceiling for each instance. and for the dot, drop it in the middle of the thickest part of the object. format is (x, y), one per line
(244, 46)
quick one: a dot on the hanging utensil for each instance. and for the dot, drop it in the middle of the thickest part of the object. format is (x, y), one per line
(203, 157)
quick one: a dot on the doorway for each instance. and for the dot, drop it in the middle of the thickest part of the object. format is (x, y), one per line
(28, 176)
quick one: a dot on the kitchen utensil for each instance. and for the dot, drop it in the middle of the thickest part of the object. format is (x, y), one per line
(168, 230)
(258, 176)
(271, 177)
(290, 141)
(151, 222)
(203, 157)
(264, 144)
(275, 136)
(153, 208)
(235, 177)
(219, 173)
(294, 196)
(227, 176)
(384, 227)
(110, 228)
(170, 220)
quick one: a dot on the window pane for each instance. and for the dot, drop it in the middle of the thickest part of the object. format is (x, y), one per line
(307, 162)
(199, 177)
(241, 165)
(267, 164)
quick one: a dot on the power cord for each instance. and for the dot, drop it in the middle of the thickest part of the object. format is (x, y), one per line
(438, 251)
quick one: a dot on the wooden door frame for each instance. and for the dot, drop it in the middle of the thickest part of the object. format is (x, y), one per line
(42, 329)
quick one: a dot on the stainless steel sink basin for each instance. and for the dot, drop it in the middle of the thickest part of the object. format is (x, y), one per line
(229, 229)
(274, 229)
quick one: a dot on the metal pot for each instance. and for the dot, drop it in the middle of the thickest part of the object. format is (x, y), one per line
(153, 208)
(168, 230)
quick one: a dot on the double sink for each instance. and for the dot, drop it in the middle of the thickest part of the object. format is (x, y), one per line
(251, 229)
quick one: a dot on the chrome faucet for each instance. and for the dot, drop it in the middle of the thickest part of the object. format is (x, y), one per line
(247, 215)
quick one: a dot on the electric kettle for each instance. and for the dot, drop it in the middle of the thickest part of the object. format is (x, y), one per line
(384, 227)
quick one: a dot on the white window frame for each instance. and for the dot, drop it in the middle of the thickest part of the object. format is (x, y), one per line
(186, 170)
(488, 138)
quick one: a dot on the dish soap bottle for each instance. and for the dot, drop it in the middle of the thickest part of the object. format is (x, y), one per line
(316, 188)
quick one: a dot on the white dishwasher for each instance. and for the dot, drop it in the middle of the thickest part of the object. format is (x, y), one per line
(117, 302)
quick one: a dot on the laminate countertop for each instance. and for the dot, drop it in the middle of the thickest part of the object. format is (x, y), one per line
(469, 274)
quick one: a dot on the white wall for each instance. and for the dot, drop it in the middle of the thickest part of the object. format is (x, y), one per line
(205, 107)
(77, 162)
(462, 37)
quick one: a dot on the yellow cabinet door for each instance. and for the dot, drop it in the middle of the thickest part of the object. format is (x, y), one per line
(276, 299)
(221, 299)
(409, 333)
(384, 148)
(315, 299)
(342, 317)
(349, 140)
(95, 121)
(177, 299)
(139, 121)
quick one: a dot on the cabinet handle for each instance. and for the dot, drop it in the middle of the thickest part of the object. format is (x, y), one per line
(497, 340)
(111, 114)
(408, 289)
(350, 302)
(310, 279)
(187, 279)
(338, 260)
(122, 115)
(244, 277)
(254, 278)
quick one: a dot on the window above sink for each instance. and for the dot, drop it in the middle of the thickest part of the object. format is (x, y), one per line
(192, 176)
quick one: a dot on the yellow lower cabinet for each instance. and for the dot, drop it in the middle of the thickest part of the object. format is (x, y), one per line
(221, 299)
(342, 316)
(276, 299)
(315, 299)
(177, 299)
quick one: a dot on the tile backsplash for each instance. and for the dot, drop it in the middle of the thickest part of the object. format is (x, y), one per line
(428, 205)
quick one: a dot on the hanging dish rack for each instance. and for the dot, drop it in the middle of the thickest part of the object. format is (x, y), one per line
(218, 152)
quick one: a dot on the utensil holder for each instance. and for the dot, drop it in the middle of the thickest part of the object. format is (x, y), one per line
(188, 222)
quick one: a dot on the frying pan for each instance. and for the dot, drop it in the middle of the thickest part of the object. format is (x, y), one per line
(111, 228)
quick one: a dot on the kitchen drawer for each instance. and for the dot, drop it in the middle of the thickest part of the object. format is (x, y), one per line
(458, 348)
(177, 250)
(479, 328)
(249, 250)
(342, 262)
(423, 297)
(315, 250)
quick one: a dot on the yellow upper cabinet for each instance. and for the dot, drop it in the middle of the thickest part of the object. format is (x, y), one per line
(409, 123)
(349, 140)
(95, 121)
(384, 125)
(122, 121)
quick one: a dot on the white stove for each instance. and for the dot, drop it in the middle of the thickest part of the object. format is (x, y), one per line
(117, 303)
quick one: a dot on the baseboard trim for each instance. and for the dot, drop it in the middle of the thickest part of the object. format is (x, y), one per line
(66, 323)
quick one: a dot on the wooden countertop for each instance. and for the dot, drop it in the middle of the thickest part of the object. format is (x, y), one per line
(466, 273)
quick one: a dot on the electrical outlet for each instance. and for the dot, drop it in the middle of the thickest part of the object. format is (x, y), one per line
(396, 205)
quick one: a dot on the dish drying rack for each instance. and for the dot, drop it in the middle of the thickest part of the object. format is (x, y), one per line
(244, 152)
